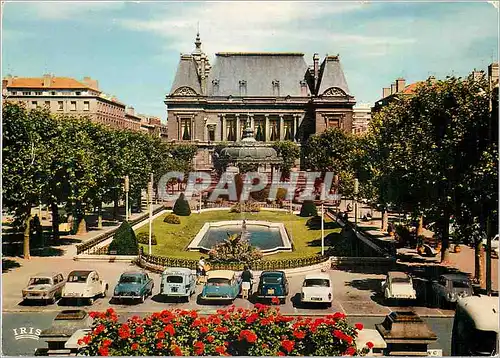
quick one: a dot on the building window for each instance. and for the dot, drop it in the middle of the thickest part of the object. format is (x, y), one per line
(260, 130)
(243, 88)
(78, 93)
(186, 129)
(333, 122)
(26, 93)
(276, 88)
(38, 93)
(86, 106)
(215, 86)
(34, 104)
(211, 134)
(47, 103)
(53, 93)
(288, 128)
(231, 130)
(60, 105)
(275, 130)
(72, 106)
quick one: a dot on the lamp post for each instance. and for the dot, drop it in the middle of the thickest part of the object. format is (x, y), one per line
(322, 229)
(150, 197)
(126, 189)
(356, 188)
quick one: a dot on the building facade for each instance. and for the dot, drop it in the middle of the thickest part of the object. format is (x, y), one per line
(361, 118)
(278, 94)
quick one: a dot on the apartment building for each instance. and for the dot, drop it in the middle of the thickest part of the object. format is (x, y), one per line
(361, 116)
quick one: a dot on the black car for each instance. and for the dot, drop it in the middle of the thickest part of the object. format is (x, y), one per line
(273, 284)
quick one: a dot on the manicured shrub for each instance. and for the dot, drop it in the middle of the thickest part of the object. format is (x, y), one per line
(172, 219)
(281, 194)
(143, 238)
(259, 331)
(308, 209)
(124, 241)
(314, 222)
(236, 249)
(245, 207)
(181, 206)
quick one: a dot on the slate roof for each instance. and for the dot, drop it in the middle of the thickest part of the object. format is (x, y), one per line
(259, 70)
(187, 75)
(331, 75)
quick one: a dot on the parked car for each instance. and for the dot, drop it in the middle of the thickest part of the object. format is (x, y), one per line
(317, 288)
(450, 288)
(44, 287)
(398, 286)
(221, 285)
(65, 325)
(494, 243)
(85, 284)
(133, 285)
(273, 284)
(178, 282)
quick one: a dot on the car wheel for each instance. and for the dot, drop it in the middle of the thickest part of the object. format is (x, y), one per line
(91, 300)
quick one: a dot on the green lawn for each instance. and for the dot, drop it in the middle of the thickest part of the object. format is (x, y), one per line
(173, 239)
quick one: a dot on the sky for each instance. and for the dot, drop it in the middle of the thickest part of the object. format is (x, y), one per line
(133, 48)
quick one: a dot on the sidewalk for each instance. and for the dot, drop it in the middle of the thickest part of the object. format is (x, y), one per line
(464, 261)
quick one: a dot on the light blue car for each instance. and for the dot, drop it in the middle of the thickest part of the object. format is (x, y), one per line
(221, 285)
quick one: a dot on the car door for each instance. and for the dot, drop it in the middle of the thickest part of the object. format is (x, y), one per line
(55, 285)
(96, 284)
(148, 287)
(285, 279)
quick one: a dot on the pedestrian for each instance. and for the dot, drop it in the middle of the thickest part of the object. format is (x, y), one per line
(247, 276)
(200, 271)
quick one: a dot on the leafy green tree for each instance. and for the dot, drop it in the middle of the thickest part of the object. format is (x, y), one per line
(289, 152)
(124, 241)
(308, 208)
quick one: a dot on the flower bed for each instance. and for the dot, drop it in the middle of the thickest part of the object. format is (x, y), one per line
(261, 331)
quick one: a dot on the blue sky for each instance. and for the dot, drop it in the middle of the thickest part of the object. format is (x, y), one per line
(133, 48)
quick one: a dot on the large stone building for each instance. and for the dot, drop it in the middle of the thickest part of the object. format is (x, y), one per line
(277, 93)
(361, 118)
(64, 95)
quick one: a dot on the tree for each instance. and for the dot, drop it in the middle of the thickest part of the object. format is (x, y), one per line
(308, 208)
(181, 206)
(124, 241)
(289, 152)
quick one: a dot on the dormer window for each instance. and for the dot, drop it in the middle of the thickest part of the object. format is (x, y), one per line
(276, 88)
(303, 88)
(215, 86)
(243, 88)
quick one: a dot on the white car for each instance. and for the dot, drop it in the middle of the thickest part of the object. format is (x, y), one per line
(317, 288)
(398, 286)
(85, 284)
(494, 243)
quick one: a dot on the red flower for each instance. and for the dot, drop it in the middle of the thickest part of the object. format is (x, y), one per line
(204, 329)
(159, 345)
(350, 351)
(275, 301)
(252, 318)
(103, 351)
(226, 344)
(280, 353)
(299, 334)
(338, 334)
(248, 335)
(196, 323)
(110, 311)
(134, 346)
(220, 349)
(148, 322)
(210, 339)
(199, 348)
(359, 326)
(106, 343)
(222, 329)
(139, 330)
(87, 339)
(176, 350)
(160, 335)
(193, 314)
(369, 345)
(265, 321)
(288, 345)
(93, 314)
(169, 328)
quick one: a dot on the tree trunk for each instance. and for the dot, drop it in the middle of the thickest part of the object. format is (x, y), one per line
(385, 219)
(115, 209)
(99, 215)
(478, 262)
(55, 220)
(420, 227)
(26, 243)
(445, 229)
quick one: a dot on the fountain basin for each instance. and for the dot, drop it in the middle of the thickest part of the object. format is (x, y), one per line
(269, 237)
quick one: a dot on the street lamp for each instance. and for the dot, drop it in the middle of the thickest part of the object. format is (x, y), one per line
(356, 188)
(322, 229)
(126, 189)
(150, 197)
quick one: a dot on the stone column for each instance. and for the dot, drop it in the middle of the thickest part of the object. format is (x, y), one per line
(252, 123)
(282, 127)
(178, 128)
(268, 132)
(238, 127)
(224, 128)
(295, 126)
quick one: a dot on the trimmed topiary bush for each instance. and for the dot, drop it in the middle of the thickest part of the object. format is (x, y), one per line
(308, 209)
(124, 241)
(172, 219)
(181, 206)
(143, 238)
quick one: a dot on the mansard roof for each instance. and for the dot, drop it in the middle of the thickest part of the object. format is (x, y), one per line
(331, 75)
(259, 73)
(186, 76)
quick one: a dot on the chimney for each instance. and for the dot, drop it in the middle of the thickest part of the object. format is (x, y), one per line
(131, 111)
(393, 88)
(91, 83)
(386, 92)
(400, 84)
(7, 81)
(202, 73)
(476, 75)
(47, 80)
(316, 69)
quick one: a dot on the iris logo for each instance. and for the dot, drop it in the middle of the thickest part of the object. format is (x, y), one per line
(26, 333)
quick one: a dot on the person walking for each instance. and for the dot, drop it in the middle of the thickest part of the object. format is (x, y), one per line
(200, 270)
(247, 276)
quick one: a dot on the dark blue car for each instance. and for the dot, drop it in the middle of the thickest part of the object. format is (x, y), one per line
(273, 284)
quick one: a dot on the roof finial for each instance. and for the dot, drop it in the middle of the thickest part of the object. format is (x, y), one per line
(198, 41)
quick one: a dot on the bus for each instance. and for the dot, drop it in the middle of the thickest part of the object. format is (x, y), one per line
(475, 327)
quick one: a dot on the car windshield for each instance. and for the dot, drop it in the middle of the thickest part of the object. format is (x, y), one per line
(216, 281)
(271, 280)
(78, 278)
(461, 284)
(40, 281)
(317, 282)
(130, 279)
(400, 280)
(174, 279)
